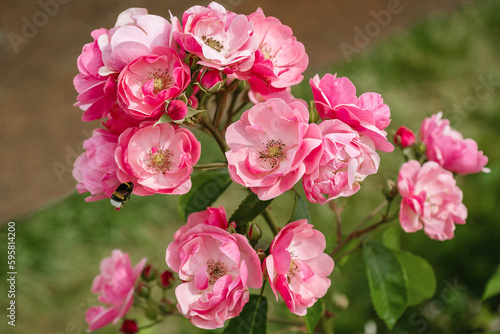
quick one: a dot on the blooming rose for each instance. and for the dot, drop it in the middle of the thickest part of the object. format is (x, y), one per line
(136, 34)
(157, 158)
(347, 159)
(297, 267)
(217, 36)
(279, 58)
(118, 120)
(272, 146)
(431, 200)
(115, 287)
(335, 98)
(97, 93)
(217, 269)
(210, 216)
(285, 94)
(95, 169)
(447, 147)
(404, 137)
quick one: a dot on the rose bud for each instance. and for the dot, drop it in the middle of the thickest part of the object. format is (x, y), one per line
(149, 273)
(129, 327)
(177, 110)
(404, 137)
(166, 279)
(254, 233)
(210, 80)
(142, 290)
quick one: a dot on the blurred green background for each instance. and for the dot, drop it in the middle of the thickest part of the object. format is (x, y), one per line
(446, 63)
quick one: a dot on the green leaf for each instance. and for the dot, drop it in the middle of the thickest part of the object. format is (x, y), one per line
(248, 210)
(391, 239)
(493, 285)
(252, 319)
(387, 283)
(419, 275)
(300, 210)
(314, 314)
(207, 187)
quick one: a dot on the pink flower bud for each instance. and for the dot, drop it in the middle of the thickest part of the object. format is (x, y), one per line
(177, 110)
(210, 80)
(149, 273)
(404, 137)
(166, 278)
(129, 327)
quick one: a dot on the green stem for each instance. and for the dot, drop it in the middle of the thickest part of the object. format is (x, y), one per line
(338, 218)
(271, 222)
(210, 166)
(216, 134)
(326, 325)
(152, 324)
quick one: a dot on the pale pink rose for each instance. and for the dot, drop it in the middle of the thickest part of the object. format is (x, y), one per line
(298, 269)
(216, 268)
(97, 93)
(335, 98)
(347, 159)
(272, 146)
(148, 82)
(279, 58)
(431, 200)
(447, 147)
(136, 34)
(217, 36)
(211, 216)
(158, 159)
(95, 169)
(285, 94)
(115, 286)
(404, 137)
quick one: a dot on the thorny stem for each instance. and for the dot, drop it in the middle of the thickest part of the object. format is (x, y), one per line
(216, 134)
(210, 166)
(271, 222)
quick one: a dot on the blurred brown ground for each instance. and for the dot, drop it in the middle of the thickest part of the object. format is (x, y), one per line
(41, 133)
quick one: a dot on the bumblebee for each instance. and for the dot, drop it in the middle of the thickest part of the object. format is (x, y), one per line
(121, 195)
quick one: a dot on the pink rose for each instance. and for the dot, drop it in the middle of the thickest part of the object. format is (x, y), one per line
(115, 287)
(95, 169)
(431, 200)
(335, 98)
(448, 148)
(347, 159)
(148, 82)
(217, 36)
(404, 137)
(272, 146)
(217, 269)
(211, 216)
(118, 120)
(279, 60)
(97, 93)
(136, 34)
(285, 94)
(157, 158)
(297, 267)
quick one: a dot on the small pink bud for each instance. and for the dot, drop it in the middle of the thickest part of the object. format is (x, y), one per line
(177, 110)
(166, 278)
(129, 327)
(149, 273)
(210, 80)
(404, 137)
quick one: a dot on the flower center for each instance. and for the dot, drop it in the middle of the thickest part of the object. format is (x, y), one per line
(161, 80)
(214, 44)
(274, 152)
(159, 159)
(292, 272)
(215, 270)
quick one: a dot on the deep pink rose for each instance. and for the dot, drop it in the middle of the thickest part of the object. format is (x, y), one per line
(347, 159)
(95, 169)
(298, 269)
(136, 34)
(157, 158)
(448, 148)
(118, 120)
(431, 200)
(217, 269)
(97, 93)
(404, 137)
(115, 287)
(279, 59)
(210, 216)
(148, 82)
(335, 98)
(217, 36)
(272, 146)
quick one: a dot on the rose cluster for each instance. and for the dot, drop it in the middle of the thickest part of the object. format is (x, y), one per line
(430, 197)
(146, 77)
